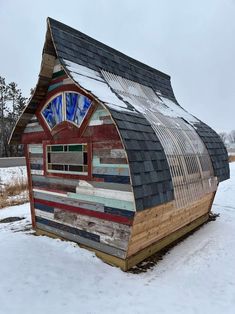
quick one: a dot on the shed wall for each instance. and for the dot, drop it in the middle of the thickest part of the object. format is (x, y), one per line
(95, 210)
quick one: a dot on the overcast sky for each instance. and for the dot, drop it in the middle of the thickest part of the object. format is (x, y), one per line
(192, 41)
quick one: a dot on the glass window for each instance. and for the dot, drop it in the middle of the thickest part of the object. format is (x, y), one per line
(76, 107)
(53, 111)
(67, 106)
(71, 158)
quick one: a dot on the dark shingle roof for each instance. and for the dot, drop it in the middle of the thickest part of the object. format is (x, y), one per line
(216, 150)
(150, 174)
(82, 49)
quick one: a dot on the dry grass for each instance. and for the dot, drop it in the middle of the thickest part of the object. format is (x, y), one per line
(14, 194)
(231, 158)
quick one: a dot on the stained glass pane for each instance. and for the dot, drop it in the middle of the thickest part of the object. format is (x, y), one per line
(76, 107)
(53, 111)
(57, 148)
(75, 148)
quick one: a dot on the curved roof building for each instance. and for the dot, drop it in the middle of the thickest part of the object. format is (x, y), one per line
(114, 162)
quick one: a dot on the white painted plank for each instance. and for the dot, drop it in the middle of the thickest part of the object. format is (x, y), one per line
(106, 193)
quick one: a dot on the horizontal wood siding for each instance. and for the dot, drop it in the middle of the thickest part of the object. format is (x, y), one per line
(36, 159)
(97, 212)
(33, 126)
(158, 222)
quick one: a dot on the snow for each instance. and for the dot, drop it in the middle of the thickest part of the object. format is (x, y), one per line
(99, 85)
(12, 174)
(175, 111)
(92, 81)
(43, 275)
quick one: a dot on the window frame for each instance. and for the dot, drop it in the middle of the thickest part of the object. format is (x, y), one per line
(64, 107)
(64, 172)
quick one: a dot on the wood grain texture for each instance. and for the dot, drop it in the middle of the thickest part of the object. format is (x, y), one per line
(113, 216)
(118, 258)
(80, 240)
(156, 223)
(127, 205)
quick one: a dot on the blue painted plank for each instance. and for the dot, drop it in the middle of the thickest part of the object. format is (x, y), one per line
(111, 178)
(56, 225)
(44, 207)
(36, 166)
(119, 212)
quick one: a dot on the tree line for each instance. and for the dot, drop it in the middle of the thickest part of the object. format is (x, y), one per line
(12, 103)
(228, 138)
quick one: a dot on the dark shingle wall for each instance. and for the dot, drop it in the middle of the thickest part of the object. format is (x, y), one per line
(150, 174)
(82, 49)
(216, 150)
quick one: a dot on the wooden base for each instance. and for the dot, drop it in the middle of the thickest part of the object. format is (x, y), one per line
(146, 252)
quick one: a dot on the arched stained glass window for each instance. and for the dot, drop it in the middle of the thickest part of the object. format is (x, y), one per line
(76, 107)
(53, 113)
(67, 106)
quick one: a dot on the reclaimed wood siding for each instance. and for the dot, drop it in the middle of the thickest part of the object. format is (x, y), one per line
(33, 126)
(97, 212)
(36, 159)
(59, 77)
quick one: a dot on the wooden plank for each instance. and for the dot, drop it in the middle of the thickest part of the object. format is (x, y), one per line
(70, 201)
(44, 214)
(32, 129)
(110, 233)
(54, 86)
(74, 183)
(96, 163)
(63, 227)
(111, 171)
(44, 207)
(120, 259)
(83, 211)
(159, 245)
(113, 178)
(80, 240)
(36, 166)
(36, 160)
(37, 172)
(161, 214)
(35, 148)
(118, 153)
(107, 160)
(149, 229)
(106, 193)
(127, 205)
(114, 144)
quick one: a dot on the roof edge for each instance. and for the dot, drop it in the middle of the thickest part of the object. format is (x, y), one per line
(55, 23)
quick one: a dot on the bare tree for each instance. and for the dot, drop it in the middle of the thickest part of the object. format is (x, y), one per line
(223, 136)
(11, 105)
(231, 137)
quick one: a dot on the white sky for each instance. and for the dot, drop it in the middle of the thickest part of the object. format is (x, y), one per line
(192, 41)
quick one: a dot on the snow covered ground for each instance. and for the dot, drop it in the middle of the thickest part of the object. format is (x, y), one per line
(11, 174)
(43, 275)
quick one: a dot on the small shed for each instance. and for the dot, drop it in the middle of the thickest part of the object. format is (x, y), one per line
(114, 162)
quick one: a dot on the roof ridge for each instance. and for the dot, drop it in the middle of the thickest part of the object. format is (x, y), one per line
(106, 48)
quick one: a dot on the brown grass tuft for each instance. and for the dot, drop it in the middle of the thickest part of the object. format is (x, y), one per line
(15, 193)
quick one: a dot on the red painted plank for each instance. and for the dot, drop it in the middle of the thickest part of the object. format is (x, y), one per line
(87, 212)
(108, 145)
(102, 132)
(32, 209)
(58, 80)
(33, 138)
